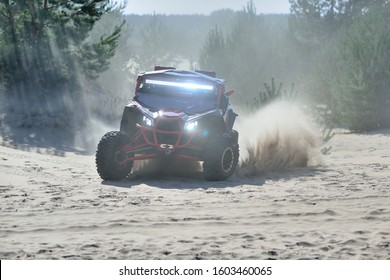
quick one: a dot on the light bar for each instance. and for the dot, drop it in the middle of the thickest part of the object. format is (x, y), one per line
(176, 84)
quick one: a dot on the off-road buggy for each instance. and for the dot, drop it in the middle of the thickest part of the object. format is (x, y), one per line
(174, 114)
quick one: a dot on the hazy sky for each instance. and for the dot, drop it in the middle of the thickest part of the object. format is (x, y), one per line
(202, 6)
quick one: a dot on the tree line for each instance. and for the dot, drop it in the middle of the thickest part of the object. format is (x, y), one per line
(338, 49)
(348, 44)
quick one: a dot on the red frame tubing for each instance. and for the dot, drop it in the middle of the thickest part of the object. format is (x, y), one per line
(142, 131)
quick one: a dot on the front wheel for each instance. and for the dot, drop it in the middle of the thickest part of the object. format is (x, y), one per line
(221, 159)
(111, 162)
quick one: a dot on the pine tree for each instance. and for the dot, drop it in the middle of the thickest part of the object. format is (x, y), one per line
(362, 88)
(154, 47)
(47, 56)
(214, 52)
(45, 43)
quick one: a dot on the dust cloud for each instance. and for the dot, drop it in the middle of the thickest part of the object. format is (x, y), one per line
(88, 138)
(276, 137)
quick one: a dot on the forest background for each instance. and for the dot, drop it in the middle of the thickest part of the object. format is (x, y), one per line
(65, 63)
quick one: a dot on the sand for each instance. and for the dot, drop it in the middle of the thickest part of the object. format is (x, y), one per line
(54, 206)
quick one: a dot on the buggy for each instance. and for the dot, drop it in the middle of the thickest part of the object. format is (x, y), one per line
(174, 114)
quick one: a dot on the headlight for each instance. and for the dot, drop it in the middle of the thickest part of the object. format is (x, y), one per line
(191, 126)
(146, 121)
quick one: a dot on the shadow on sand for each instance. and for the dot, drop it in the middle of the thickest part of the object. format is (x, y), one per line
(196, 180)
(53, 141)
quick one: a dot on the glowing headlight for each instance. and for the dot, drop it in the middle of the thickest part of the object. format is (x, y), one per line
(147, 121)
(191, 126)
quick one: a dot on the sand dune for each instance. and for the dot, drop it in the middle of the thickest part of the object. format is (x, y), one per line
(56, 207)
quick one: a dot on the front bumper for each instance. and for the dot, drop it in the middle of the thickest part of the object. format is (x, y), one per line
(166, 138)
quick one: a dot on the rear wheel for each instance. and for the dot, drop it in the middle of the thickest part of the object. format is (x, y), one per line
(110, 159)
(221, 159)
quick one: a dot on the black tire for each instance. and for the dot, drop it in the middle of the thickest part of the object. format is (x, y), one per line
(109, 156)
(221, 159)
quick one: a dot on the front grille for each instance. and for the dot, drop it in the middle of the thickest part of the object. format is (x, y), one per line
(168, 131)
